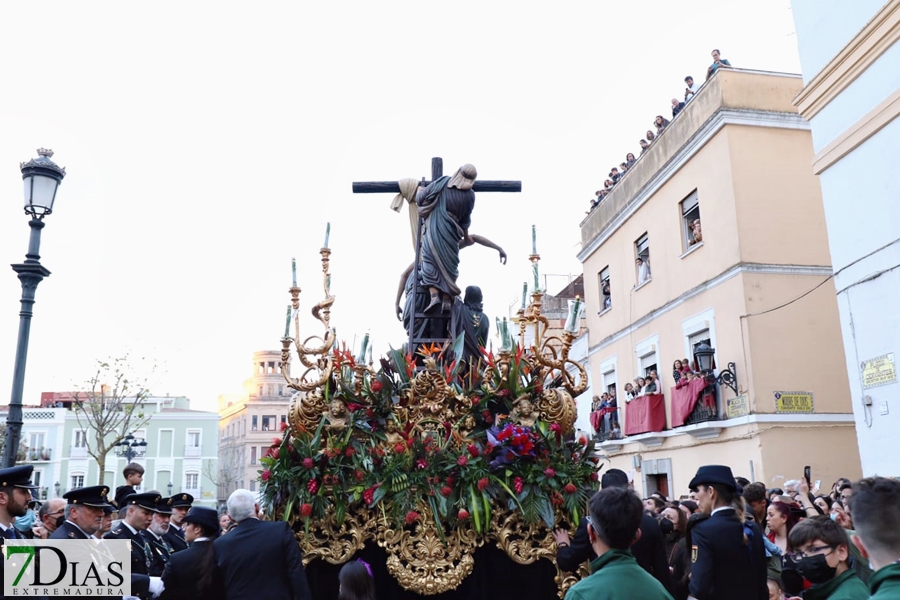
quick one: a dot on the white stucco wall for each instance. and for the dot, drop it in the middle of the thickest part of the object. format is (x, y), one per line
(825, 26)
(861, 194)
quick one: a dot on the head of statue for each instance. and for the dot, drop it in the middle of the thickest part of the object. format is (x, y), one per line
(464, 178)
(337, 408)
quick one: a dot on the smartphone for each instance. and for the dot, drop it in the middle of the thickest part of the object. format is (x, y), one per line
(818, 485)
(807, 474)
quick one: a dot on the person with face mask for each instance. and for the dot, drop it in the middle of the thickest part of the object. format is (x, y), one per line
(51, 516)
(673, 523)
(84, 513)
(822, 554)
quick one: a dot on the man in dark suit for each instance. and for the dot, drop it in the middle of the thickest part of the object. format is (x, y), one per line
(649, 550)
(15, 496)
(137, 519)
(84, 513)
(259, 559)
(190, 575)
(160, 550)
(181, 503)
(728, 559)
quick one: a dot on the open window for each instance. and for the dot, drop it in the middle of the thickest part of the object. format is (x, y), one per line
(701, 337)
(642, 259)
(690, 221)
(605, 296)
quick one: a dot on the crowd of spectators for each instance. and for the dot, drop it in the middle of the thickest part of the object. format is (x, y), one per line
(616, 174)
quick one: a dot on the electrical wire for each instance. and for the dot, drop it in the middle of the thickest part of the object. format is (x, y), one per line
(789, 302)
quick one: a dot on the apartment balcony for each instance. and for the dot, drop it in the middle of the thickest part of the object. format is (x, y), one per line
(78, 452)
(731, 96)
(37, 455)
(192, 451)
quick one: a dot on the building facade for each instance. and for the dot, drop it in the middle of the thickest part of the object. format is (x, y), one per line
(851, 70)
(179, 453)
(756, 288)
(249, 422)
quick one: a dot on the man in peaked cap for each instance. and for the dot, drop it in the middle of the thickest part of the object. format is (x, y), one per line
(140, 509)
(159, 526)
(728, 559)
(15, 496)
(181, 503)
(185, 578)
(84, 513)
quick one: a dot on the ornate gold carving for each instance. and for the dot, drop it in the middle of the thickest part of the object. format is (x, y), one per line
(557, 405)
(423, 561)
(335, 543)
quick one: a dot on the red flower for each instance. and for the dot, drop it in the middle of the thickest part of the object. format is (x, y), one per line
(462, 460)
(411, 517)
(473, 450)
(353, 406)
(409, 443)
(399, 447)
(265, 475)
(350, 451)
(308, 463)
(549, 472)
(305, 509)
(463, 514)
(595, 476)
(518, 484)
(488, 448)
(370, 413)
(376, 386)
(539, 388)
(284, 426)
(555, 428)
(451, 480)
(446, 491)
(276, 453)
(483, 483)
(313, 486)
(359, 475)
(570, 488)
(369, 495)
(421, 463)
(276, 441)
(475, 400)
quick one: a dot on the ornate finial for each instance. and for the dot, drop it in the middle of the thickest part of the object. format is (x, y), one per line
(45, 152)
(43, 162)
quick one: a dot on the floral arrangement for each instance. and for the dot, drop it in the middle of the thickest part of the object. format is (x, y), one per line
(472, 455)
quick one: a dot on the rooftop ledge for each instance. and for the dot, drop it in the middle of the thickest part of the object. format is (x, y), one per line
(731, 96)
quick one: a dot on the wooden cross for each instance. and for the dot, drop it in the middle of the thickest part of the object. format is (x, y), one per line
(393, 187)
(437, 171)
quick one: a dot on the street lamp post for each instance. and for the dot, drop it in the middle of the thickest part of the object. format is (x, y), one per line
(728, 376)
(170, 486)
(41, 177)
(131, 447)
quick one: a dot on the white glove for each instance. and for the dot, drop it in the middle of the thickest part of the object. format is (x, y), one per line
(156, 586)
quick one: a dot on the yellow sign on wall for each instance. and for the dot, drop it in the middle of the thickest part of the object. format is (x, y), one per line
(878, 371)
(738, 406)
(794, 402)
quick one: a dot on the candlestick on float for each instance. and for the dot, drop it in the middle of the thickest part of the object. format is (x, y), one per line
(327, 233)
(287, 321)
(362, 349)
(524, 293)
(533, 239)
(294, 272)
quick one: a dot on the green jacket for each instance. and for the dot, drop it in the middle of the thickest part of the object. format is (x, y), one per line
(885, 583)
(615, 576)
(846, 586)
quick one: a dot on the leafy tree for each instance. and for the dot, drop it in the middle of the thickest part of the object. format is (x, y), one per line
(110, 407)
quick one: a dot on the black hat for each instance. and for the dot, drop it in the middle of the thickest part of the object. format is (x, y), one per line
(205, 517)
(182, 501)
(19, 477)
(713, 474)
(147, 500)
(163, 506)
(94, 495)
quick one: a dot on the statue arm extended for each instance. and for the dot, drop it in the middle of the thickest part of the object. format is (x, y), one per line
(402, 285)
(478, 239)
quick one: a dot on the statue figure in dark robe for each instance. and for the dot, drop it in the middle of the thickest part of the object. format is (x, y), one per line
(446, 205)
(472, 322)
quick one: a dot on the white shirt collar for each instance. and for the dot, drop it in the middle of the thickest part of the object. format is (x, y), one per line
(133, 530)
(721, 508)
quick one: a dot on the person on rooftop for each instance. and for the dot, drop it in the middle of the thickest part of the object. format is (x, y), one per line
(718, 62)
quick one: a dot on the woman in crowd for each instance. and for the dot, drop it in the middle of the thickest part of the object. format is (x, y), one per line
(781, 518)
(686, 366)
(640, 384)
(356, 581)
(630, 159)
(190, 574)
(824, 502)
(676, 550)
(224, 523)
(677, 373)
(651, 385)
(629, 392)
(661, 123)
(650, 136)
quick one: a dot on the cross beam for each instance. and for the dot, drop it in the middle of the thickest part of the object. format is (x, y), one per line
(437, 171)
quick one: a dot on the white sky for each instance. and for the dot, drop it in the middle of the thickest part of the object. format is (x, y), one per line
(208, 143)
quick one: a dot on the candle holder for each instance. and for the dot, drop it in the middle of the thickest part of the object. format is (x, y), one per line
(314, 352)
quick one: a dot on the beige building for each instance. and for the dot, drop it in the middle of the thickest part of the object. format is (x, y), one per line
(248, 423)
(757, 289)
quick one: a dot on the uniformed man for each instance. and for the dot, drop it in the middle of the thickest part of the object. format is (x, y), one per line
(181, 503)
(84, 513)
(727, 553)
(15, 496)
(154, 535)
(137, 518)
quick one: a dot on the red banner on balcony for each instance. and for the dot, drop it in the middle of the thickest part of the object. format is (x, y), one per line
(645, 413)
(684, 399)
(597, 416)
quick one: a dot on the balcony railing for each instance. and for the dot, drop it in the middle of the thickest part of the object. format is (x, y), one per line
(705, 410)
(38, 454)
(192, 451)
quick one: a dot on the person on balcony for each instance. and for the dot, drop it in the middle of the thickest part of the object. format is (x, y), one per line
(718, 62)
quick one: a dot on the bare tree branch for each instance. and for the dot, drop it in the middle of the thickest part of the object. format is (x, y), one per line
(111, 406)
